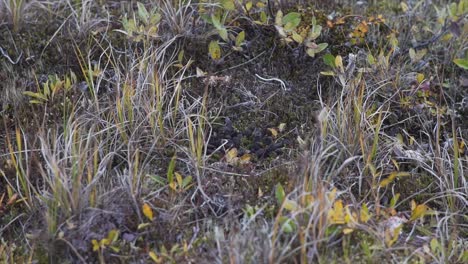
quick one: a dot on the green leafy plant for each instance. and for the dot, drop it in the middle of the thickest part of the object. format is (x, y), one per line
(169, 256)
(51, 88)
(111, 241)
(287, 28)
(142, 26)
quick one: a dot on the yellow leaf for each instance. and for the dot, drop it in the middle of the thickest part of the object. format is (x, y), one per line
(412, 205)
(173, 186)
(385, 182)
(339, 63)
(273, 132)
(404, 7)
(248, 6)
(245, 159)
(154, 257)
(420, 77)
(178, 178)
(392, 177)
(231, 156)
(336, 214)
(113, 235)
(141, 226)
(215, 50)
(95, 245)
(309, 198)
(105, 242)
(347, 230)
(418, 212)
(147, 211)
(364, 215)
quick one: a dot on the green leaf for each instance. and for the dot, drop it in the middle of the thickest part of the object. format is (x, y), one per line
(298, 38)
(216, 22)
(290, 205)
(263, 17)
(321, 47)
(315, 32)
(35, 95)
(434, 246)
(113, 235)
(462, 63)
(329, 60)
(223, 34)
(453, 9)
(288, 226)
(291, 21)
(36, 102)
(228, 4)
(115, 249)
(248, 6)
(279, 194)
(328, 73)
(143, 13)
(187, 180)
(170, 169)
(370, 59)
(240, 38)
(394, 200)
(311, 52)
(279, 18)
(155, 18)
(180, 56)
(215, 50)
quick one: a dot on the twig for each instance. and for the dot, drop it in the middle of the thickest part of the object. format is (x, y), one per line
(283, 84)
(5, 54)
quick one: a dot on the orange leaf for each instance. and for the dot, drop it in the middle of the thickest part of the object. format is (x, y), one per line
(147, 211)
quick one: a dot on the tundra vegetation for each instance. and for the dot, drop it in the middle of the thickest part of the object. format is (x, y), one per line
(233, 131)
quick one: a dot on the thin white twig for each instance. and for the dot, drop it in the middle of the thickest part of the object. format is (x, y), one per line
(283, 84)
(5, 54)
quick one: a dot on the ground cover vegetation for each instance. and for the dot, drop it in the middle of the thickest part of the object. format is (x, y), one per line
(233, 131)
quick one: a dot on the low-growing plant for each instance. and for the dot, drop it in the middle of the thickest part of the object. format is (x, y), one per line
(143, 25)
(287, 28)
(51, 88)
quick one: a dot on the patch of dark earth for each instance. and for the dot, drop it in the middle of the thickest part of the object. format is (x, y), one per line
(251, 106)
